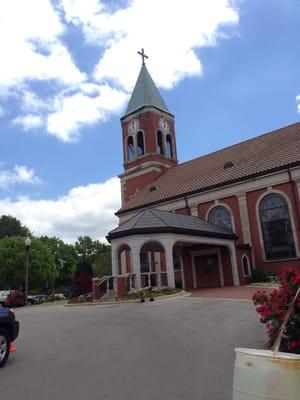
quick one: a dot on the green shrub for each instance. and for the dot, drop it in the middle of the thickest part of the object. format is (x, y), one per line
(259, 275)
(80, 299)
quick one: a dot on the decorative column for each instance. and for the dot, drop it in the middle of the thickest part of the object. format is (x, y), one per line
(136, 265)
(170, 264)
(234, 267)
(114, 259)
(182, 269)
(158, 280)
(244, 218)
(114, 265)
(194, 210)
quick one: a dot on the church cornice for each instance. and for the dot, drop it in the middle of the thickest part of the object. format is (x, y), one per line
(136, 170)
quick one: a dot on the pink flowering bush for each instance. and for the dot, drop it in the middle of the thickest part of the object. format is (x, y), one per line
(274, 306)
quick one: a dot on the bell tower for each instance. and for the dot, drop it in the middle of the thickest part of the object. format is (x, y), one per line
(148, 135)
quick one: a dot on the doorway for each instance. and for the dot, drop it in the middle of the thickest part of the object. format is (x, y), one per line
(207, 271)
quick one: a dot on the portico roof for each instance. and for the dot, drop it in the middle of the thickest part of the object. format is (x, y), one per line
(152, 220)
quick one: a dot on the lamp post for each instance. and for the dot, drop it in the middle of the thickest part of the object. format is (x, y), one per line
(27, 246)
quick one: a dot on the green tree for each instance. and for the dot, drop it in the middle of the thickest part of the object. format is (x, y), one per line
(65, 259)
(96, 253)
(11, 226)
(13, 259)
(102, 263)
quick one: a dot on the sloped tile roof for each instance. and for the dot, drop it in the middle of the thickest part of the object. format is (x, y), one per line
(152, 220)
(260, 155)
(145, 93)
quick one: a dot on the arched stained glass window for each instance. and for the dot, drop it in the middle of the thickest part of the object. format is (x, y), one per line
(169, 151)
(221, 217)
(140, 144)
(276, 227)
(160, 145)
(130, 148)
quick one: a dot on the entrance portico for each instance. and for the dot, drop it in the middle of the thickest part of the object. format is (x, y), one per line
(167, 249)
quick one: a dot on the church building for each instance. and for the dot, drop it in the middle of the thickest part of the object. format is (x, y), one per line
(207, 222)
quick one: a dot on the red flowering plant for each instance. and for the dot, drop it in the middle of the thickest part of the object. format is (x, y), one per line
(274, 306)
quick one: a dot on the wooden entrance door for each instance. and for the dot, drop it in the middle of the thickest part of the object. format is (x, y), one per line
(207, 271)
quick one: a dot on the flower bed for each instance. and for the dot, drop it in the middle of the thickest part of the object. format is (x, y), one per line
(150, 293)
(273, 308)
(81, 299)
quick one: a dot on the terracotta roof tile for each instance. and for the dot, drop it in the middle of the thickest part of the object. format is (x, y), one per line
(262, 154)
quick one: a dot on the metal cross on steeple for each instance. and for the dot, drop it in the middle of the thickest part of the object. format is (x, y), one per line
(143, 55)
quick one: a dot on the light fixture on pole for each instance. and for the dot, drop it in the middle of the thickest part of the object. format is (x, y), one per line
(27, 246)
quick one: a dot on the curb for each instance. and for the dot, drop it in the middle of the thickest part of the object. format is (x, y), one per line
(266, 286)
(49, 304)
(119, 302)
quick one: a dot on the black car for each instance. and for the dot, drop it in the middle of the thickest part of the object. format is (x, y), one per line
(9, 330)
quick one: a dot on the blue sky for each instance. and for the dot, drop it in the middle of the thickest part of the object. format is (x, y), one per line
(228, 71)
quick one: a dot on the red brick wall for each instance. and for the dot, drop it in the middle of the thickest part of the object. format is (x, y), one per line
(188, 272)
(184, 211)
(252, 198)
(138, 182)
(226, 264)
(121, 286)
(203, 208)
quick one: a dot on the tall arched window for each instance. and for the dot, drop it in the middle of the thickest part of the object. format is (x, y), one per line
(160, 145)
(276, 227)
(221, 217)
(130, 148)
(246, 266)
(140, 144)
(169, 151)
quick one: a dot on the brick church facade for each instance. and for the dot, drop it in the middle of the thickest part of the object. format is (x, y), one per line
(207, 222)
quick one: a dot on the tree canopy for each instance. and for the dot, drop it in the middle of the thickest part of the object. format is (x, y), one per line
(51, 259)
(13, 261)
(11, 226)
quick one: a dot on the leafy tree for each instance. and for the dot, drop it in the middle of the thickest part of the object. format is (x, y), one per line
(102, 264)
(83, 278)
(88, 249)
(13, 263)
(11, 226)
(65, 259)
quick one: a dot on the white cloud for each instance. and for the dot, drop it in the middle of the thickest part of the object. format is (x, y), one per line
(32, 103)
(19, 175)
(2, 112)
(29, 121)
(85, 210)
(298, 101)
(169, 30)
(30, 48)
(75, 110)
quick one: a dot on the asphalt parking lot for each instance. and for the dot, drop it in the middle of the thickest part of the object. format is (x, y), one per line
(166, 350)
